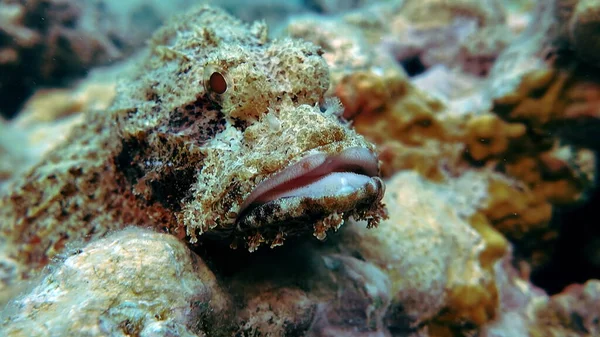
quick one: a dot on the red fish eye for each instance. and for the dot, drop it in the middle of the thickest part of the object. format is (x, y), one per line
(217, 83)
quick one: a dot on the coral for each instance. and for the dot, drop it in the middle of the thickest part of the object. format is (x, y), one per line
(437, 250)
(574, 312)
(536, 99)
(321, 293)
(485, 12)
(528, 311)
(136, 282)
(523, 217)
(574, 28)
(523, 135)
(221, 138)
(417, 34)
(554, 170)
(176, 154)
(538, 85)
(428, 33)
(583, 27)
(408, 125)
(480, 50)
(487, 136)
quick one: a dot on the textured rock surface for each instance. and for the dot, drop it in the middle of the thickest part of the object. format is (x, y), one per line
(574, 312)
(134, 282)
(439, 264)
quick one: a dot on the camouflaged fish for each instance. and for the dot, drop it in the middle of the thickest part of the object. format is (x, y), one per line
(220, 134)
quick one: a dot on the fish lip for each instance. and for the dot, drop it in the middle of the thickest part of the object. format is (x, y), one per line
(354, 159)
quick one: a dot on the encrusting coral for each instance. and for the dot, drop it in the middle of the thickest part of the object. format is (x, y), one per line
(556, 104)
(217, 135)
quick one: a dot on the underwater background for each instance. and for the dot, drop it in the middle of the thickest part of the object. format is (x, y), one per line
(299, 168)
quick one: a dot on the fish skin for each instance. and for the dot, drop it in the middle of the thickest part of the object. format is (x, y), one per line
(174, 155)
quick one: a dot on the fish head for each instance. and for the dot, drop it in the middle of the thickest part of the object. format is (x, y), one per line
(239, 124)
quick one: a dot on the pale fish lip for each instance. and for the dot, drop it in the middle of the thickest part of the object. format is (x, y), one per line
(318, 175)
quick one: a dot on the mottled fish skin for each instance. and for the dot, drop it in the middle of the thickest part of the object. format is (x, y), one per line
(178, 154)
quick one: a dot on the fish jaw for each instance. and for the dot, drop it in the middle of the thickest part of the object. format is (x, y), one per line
(318, 193)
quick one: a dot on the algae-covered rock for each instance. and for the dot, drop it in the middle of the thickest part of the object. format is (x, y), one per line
(133, 282)
(574, 312)
(437, 252)
(319, 294)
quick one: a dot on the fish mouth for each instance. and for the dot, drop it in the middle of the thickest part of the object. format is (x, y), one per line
(315, 194)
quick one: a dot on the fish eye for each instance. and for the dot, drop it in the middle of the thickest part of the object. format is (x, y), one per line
(216, 80)
(217, 83)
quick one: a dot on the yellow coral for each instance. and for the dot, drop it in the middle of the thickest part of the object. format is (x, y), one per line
(402, 120)
(495, 243)
(520, 214)
(488, 136)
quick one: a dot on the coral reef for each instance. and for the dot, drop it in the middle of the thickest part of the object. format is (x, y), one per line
(442, 276)
(527, 311)
(243, 170)
(525, 135)
(466, 34)
(551, 92)
(176, 292)
(407, 125)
